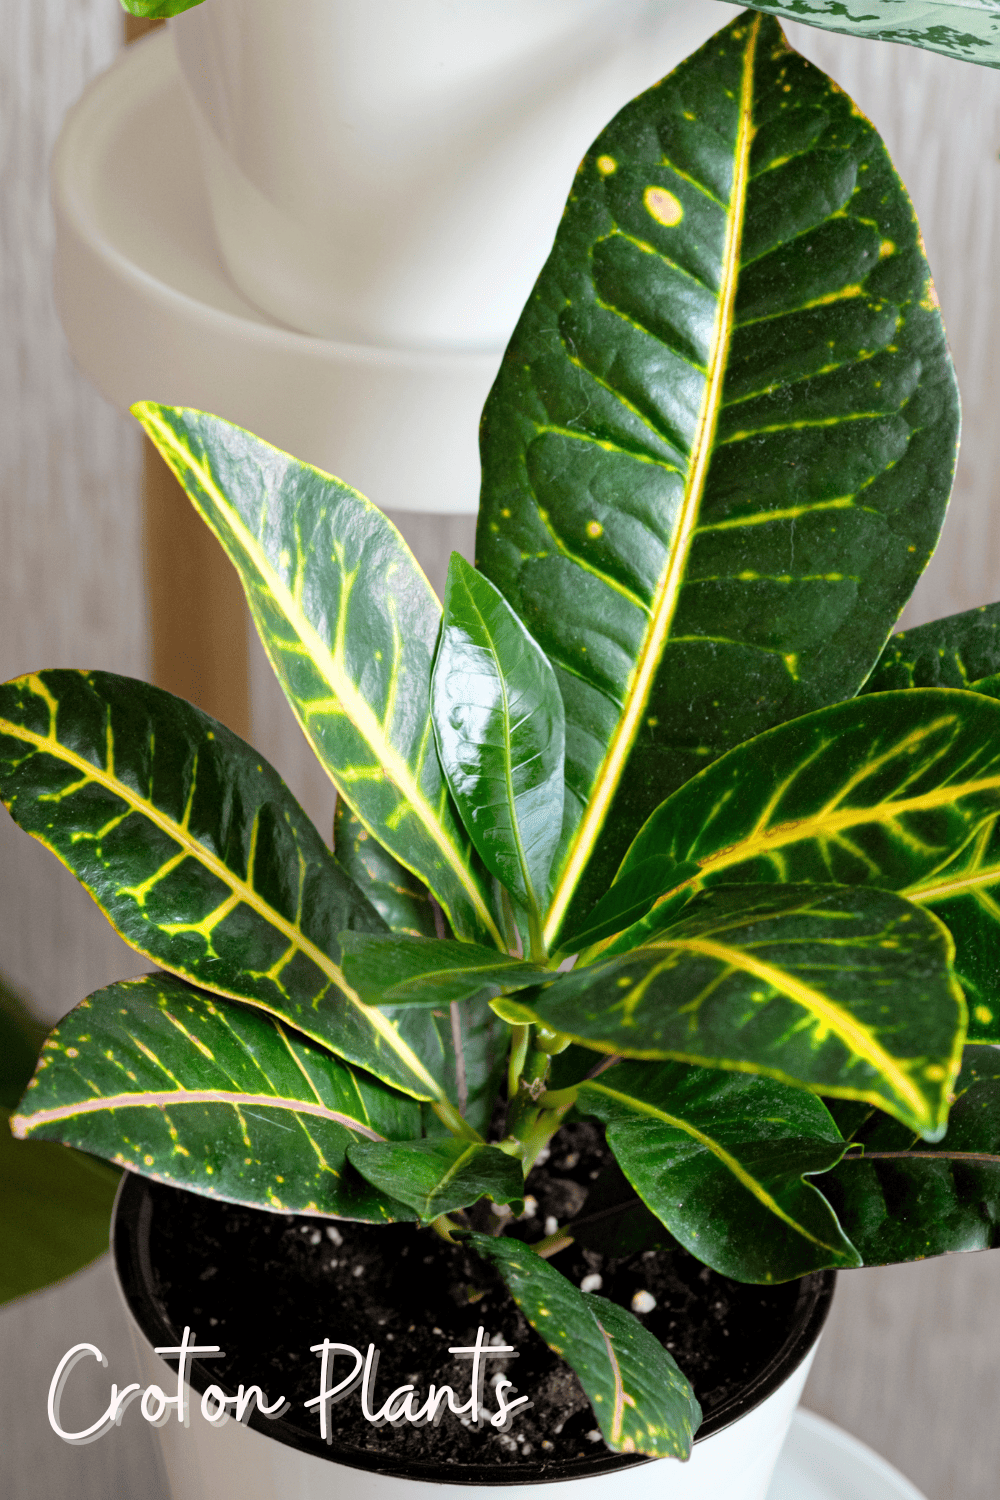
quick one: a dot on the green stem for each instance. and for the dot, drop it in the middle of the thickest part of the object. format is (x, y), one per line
(449, 1116)
(520, 1037)
(445, 1227)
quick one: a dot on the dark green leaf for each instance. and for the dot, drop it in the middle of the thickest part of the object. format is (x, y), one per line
(844, 991)
(882, 791)
(719, 450)
(349, 623)
(615, 1221)
(955, 652)
(721, 1158)
(902, 1199)
(212, 1096)
(966, 29)
(55, 1212)
(426, 971)
(642, 1401)
(401, 900)
(630, 899)
(500, 732)
(195, 850)
(439, 1176)
(465, 1046)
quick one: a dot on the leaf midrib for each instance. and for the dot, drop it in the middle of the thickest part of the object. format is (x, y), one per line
(23, 1125)
(340, 685)
(50, 745)
(668, 589)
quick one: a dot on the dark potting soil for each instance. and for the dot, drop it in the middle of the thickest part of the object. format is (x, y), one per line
(265, 1287)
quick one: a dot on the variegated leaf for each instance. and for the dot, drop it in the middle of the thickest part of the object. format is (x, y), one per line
(721, 443)
(721, 1158)
(350, 624)
(196, 851)
(959, 651)
(884, 791)
(211, 1096)
(841, 990)
(900, 1198)
(966, 29)
(401, 900)
(642, 1401)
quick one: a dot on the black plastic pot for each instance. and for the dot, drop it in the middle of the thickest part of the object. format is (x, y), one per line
(169, 1248)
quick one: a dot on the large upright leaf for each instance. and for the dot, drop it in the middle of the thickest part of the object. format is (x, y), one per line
(464, 1045)
(438, 1176)
(196, 851)
(900, 1198)
(843, 990)
(717, 455)
(967, 29)
(211, 1096)
(642, 1401)
(881, 791)
(501, 734)
(958, 651)
(349, 623)
(401, 900)
(721, 1159)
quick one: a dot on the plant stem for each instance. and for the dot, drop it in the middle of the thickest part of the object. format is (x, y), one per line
(449, 1116)
(445, 1227)
(520, 1037)
(553, 1243)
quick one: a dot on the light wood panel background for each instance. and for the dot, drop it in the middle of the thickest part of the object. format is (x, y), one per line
(908, 1361)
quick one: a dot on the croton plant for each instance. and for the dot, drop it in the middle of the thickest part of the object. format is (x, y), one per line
(646, 823)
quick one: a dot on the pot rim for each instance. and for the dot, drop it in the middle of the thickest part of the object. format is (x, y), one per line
(130, 1223)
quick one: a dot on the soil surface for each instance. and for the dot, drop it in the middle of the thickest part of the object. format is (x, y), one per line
(265, 1287)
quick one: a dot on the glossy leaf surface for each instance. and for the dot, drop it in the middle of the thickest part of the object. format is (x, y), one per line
(423, 971)
(401, 900)
(721, 1158)
(349, 623)
(955, 652)
(966, 29)
(438, 1177)
(642, 1401)
(882, 791)
(902, 1199)
(500, 730)
(719, 449)
(195, 850)
(842, 990)
(214, 1097)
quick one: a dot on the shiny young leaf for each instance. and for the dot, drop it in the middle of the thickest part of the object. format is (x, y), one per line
(721, 1158)
(422, 971)
(966, 29)
(193, 1090)
(195, 850)
(901, 1199)
(500, 731)
(880, 791)
(155, 9)
(349, 623)
(401, 900)
(958, 651)
(840, 990)
(642, 1401)
(719, 450)
(437, 1177)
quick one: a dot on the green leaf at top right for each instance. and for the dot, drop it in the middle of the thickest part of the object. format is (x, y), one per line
(717, 455)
